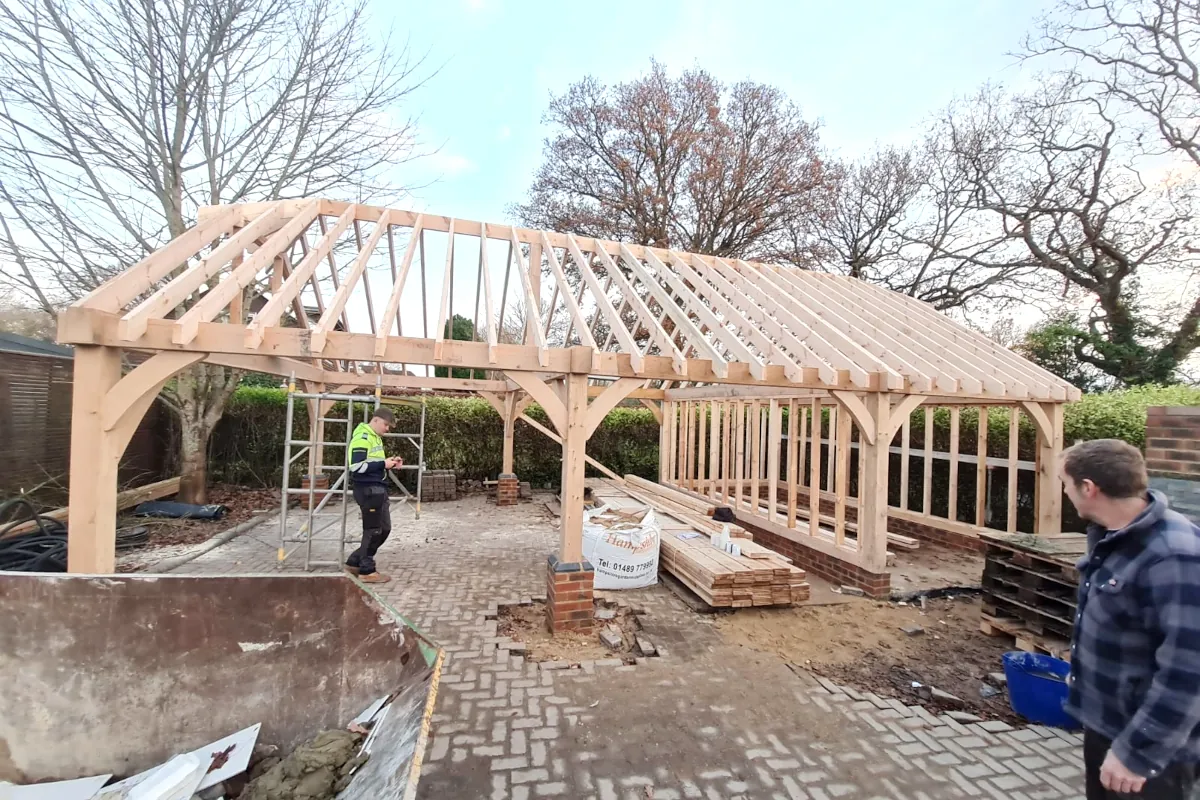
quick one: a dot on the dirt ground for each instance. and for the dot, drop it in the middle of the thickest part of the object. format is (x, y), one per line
(861, 644)
(168, 537)
(933, 567)
(527, 624)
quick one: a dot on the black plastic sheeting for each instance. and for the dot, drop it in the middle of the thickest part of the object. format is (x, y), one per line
(170, 510)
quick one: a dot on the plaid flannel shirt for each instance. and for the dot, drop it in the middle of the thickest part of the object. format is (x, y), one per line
(1135, 655)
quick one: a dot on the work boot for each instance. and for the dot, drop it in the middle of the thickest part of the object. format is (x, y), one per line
(374, 577)
(353, 570)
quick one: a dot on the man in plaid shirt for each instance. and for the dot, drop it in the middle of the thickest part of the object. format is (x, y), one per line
(1135, 658)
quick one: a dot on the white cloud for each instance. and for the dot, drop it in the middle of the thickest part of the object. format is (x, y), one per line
(449, 163)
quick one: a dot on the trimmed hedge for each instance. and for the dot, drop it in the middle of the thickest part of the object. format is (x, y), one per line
(462, 434)
(466, 435)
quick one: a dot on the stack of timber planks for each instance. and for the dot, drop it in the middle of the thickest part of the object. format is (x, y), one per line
(758, 577)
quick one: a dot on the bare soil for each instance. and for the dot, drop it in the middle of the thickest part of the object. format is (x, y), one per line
(527, 624)
(179, 534)
(861, 644)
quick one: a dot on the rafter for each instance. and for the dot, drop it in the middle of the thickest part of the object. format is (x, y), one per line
(218, 297)
(133, 324)
(603, 305)
(393, 304)
(585, 336)
(642, 312)
(320, 331)
(270, 314)
(731, 322)
(683, 325)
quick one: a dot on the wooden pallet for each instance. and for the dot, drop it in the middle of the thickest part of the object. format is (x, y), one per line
(1025, 639)
(1030, 585)
(758, 577)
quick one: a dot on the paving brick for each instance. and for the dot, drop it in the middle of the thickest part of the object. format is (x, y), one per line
(516, 730)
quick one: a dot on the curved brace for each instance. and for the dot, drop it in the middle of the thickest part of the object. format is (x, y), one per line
(655, 409)
(858, 410)
(546, 397)
(900, 412)
(1040, 418)
(608, 400)
(126, 403)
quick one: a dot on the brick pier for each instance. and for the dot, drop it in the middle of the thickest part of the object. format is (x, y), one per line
(569, 602)
(1173, 455)
(508, 489)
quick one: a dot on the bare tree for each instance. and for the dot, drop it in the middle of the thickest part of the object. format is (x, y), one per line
(119, 117)
(677, 162)
(897, 218)
(1054, 181)
(1145, 53)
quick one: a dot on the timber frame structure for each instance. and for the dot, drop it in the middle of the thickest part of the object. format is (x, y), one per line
(694, 337)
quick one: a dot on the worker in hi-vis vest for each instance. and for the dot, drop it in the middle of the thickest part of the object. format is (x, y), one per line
(368, 468)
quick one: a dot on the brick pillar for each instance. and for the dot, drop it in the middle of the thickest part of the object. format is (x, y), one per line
(569, 596)
(1173, 455)
(508, 488)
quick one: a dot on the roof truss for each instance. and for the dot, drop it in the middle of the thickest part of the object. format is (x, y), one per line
(646, 313)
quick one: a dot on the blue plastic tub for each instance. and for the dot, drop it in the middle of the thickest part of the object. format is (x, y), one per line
(1037, 688)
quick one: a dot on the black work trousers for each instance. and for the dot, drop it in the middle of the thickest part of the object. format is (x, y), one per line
(372, 501)
(1176, 782)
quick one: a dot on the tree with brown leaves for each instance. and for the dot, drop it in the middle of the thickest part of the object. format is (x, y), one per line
(678, 162)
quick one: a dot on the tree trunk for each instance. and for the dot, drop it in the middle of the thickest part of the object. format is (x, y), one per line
(193, 462)
(198, 398)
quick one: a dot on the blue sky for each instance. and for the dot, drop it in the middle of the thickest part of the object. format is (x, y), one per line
(869, 71)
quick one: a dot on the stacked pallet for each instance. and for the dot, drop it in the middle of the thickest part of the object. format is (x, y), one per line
(1029, 588)
(757, 577)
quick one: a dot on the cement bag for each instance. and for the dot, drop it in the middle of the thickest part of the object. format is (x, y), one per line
(622, 547)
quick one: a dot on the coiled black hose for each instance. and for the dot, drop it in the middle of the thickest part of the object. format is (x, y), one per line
(45, 549)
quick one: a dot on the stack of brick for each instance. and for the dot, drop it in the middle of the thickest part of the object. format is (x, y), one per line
(1173, 455)
(569, 599)
(437, 485)
(507, 490)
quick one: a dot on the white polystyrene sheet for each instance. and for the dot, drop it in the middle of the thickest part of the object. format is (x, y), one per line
(178, 779)
(370, 712)
(77, 789)
(241, 747)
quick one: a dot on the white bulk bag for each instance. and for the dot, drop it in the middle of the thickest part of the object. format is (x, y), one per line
(622, 547)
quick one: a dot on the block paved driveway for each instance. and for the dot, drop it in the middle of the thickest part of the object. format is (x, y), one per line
(708, 720)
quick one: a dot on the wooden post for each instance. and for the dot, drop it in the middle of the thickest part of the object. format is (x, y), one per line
(573, 448)
(701, 444)
(510, 424)
(832, 451)
(981, 469)
(905, 436)
(842, 476)
(774, 439)
(714, 451)
(873, 502)
(666, 455)
(1049, 449)
(92, 511)
(727, 449)
(814, 475)
(927, 465)
(755, 453)
(952, 509)
(1014, 428)
(793, 453)
(739, 452)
